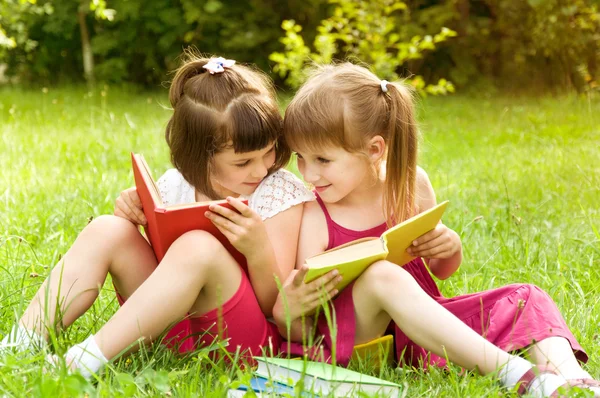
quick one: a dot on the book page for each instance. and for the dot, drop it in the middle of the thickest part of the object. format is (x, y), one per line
(147, 176)
(345, 253)
(350, 261)
(400, 237)
(221, 202)
(277, 366)
(354, 242)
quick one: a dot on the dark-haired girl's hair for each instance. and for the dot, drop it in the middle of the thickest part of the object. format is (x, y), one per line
(235, 108)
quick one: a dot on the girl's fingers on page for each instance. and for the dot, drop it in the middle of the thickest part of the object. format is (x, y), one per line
(324, 286)
(225, 232)
(299, 277)
(240, 206)
(325, 293)
(222, 223)
(127, 213)
(321, 281)
(438, 241)
(134, 198)
(332, 276)
(119, 213)
(225, 212)
(331, 285)
(433, 252)
(134, 213)
(137, 215)
(427, 237)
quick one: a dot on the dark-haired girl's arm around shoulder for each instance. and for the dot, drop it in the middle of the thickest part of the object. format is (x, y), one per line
(276, 258)
(266, 231)
(268, 245)
(297, 300)
(441, 248)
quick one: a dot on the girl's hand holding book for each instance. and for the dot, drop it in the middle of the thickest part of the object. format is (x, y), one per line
(297, 298)
(244, 228)
(129, 206)
(441, 242)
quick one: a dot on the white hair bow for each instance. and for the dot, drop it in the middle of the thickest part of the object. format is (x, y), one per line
(218, 65)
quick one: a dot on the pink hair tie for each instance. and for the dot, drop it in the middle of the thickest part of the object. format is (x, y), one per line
(218, 65)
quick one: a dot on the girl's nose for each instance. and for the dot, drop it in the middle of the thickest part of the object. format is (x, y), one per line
(260, 171)
(309, 174)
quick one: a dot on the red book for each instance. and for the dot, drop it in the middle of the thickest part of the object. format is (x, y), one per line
(167, 223)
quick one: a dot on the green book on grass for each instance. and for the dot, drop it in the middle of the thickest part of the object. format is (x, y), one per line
(323, 378)
(354, 257)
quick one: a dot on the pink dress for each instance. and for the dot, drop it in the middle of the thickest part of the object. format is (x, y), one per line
(512, 317)
(240, 319)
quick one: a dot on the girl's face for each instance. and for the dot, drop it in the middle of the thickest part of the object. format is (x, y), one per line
(237, 174)
(334, 172)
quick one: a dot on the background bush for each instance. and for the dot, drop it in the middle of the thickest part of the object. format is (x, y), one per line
(541, 44)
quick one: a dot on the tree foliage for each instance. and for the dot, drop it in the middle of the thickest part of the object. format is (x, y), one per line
(372, 32)
(16, 16)
(514, 43)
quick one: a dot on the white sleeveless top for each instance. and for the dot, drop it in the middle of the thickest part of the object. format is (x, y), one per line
(276, 193)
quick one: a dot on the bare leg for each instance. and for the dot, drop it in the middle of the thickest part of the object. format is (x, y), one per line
(109, 244)
(386, 291)
(556, 353)
(196, 275)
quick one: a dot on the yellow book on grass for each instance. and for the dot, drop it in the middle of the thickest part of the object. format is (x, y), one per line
(354, 257)
(375, 352)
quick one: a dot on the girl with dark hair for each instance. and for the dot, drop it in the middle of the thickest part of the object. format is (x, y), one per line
(226, 142)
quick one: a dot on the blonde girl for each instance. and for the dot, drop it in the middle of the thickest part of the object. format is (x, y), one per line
(356, 141)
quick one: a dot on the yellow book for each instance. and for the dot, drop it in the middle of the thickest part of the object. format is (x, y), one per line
(354, 257)
(375, 352)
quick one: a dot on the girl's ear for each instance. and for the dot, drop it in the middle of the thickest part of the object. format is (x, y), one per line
(376, 148)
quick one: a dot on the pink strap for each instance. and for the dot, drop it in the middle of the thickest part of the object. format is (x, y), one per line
(327, 216)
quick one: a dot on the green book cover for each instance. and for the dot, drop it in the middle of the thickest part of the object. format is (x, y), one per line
(319, 370)
(353, 258)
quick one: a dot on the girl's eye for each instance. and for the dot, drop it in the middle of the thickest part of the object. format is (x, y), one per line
(298, 155)
(323, 160)
(241, 165)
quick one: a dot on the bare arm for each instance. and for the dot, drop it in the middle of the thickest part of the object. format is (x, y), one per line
(441, 248)
(295, 301)
(276, 258)
(269, 246)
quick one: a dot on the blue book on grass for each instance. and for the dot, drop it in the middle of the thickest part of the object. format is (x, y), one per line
(325, 379)
(265, 388)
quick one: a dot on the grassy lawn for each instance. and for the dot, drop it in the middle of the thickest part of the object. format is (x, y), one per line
(522, 175)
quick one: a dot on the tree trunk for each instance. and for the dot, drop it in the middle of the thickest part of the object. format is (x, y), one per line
(463, 8)
(86, 47)
(592, 62)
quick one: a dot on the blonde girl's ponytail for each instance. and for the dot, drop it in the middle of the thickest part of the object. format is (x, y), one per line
(401, 164)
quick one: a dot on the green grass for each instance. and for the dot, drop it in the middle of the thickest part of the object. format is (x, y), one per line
(522, 175)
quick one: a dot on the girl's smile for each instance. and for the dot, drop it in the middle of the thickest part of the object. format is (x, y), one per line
(334, 172)
(322, 188)
(241, 173)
